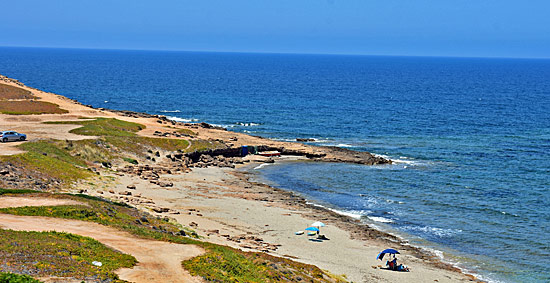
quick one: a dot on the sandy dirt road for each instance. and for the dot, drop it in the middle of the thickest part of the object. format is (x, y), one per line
(35, 201)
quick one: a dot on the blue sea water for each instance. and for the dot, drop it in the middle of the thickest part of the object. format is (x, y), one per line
(470, 137)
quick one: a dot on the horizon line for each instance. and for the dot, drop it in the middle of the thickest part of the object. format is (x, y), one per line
(277, 53)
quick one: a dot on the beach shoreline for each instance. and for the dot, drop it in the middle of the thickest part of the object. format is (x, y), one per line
(352, 223)
(211, 198)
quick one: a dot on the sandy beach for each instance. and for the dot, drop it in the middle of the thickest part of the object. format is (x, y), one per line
(224, 206)
(225, 209)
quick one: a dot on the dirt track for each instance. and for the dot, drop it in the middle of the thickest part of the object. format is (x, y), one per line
(158, 261)
(35, 201)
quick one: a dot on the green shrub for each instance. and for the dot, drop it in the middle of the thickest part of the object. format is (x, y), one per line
(6, 277)
(130, 160)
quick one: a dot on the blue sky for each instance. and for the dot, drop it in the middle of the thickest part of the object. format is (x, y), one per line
(484, 28)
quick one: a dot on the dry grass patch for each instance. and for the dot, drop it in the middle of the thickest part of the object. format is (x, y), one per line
(29, 107)
(11, 92)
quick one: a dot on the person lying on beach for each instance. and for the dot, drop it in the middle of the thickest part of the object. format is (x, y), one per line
(392, 265)
(322, 237)
(402, 267)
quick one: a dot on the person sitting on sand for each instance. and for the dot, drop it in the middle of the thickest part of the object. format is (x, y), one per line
(389, 264)
(394, 263)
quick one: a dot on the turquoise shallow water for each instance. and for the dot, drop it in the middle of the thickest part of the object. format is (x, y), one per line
(471, 137)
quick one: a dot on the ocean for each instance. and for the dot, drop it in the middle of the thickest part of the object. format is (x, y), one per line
(470, 137)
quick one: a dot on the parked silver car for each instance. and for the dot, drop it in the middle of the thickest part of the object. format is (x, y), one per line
(6, 136)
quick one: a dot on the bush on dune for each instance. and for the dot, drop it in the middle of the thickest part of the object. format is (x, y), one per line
(6, 277)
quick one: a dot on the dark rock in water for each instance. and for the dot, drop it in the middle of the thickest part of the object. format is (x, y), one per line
(208, 126)
(205, 125)
(304, 140)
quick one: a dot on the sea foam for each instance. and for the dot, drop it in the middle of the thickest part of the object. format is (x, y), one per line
(184, 120)
(380, 219)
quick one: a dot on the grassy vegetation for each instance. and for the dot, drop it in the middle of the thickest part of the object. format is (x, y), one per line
(63, 161)
(48, 166)
(29, 107)
(219, 264)
(224, 264)
(6, 277)
(139, 145)
(186, 132)
(130, 160)
(60, 254)
(89, 151)
(70, 161)
(50, 160)
(55, 149)
(122, 135)
(117, 215)
(203, 145)
(104, 127)
(182, 131)
(6, 192)
(11, 92)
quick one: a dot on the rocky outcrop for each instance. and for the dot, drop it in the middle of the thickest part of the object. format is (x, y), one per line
(338, 154)
(147, 172)
(170, 134)
(16, 177)
(248, 241)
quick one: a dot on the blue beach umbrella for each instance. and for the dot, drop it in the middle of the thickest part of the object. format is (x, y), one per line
(315, 229)
(381, 255)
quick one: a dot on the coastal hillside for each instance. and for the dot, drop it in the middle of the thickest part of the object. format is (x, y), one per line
(99, 195)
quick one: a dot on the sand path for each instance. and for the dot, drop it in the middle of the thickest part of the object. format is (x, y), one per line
(158, 261)
(35, 201)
